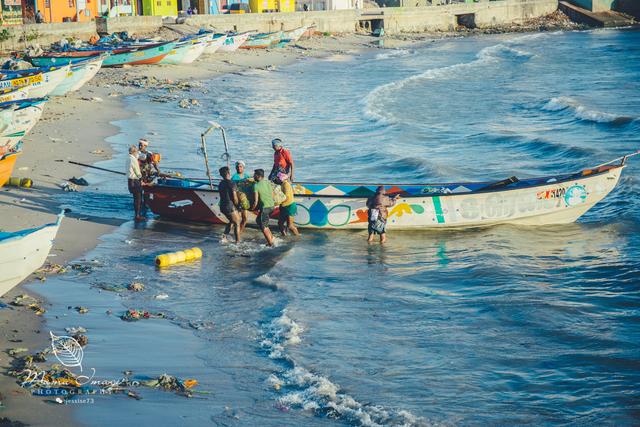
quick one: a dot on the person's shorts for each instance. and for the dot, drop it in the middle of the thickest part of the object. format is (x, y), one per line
(377, 227)
(135, 186)
(263, 217)
(288, 211)
(228, 212)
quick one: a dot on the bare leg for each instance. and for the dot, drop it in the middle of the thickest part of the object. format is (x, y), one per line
(235, 222)
(267, 235)
(292, 226)
(383, 238)
(281, 226)
(370, 239)
(243, 221)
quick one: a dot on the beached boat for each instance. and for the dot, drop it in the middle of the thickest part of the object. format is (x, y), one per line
(232, 42)
(23, 252)
(14, 94)
(556, 199)
(79, 73)
(151, 53)
(294, 35)
(11, 81)
(262, 40)
(50, 78)
(7, 162)
(215, 43)
(187, 51)
(17, 118)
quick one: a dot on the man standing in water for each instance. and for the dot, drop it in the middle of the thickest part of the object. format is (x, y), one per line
(288, 208)
(263, 199)
(229, 202)
(282, 161)
(241, 178)
(378, 204)
(134, 182)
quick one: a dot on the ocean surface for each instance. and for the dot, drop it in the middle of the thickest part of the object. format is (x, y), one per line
(498, 326)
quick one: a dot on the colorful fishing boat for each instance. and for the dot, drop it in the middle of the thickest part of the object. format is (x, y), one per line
(148, 53)
(233, 42)
(79, 73)
(11, 81)
(49, 59)
(187, 51)
(41, 81)
(7, 162)
(262, 40)
(23, 252)
(215, 43)
(556, 199)
(17, 118)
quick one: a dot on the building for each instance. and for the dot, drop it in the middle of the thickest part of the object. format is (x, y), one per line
(159, 7)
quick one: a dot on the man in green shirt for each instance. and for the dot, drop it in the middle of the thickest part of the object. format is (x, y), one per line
(263, 201)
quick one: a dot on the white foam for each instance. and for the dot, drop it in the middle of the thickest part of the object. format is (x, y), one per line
(374, 108)
(393, 53)
(581, 112)
(307, 391)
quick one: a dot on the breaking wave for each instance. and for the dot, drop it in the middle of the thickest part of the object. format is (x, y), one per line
(302, 389)
(393, 53)
(374, 101)
(581, 112)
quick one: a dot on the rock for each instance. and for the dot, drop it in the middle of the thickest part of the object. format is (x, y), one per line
(136, 287)
(81, 339)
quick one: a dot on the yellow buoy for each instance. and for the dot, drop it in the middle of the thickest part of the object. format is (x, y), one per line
(15, 181)
(171, 258)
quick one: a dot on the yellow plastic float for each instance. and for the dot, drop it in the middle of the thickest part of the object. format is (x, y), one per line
(171, 258)
(20, 182)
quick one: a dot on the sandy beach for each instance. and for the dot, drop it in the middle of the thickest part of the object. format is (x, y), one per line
(76, 127)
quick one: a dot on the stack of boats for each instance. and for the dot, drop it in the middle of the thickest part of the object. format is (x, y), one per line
(23, 93)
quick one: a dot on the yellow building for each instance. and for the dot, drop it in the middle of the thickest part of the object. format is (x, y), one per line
(160, 7)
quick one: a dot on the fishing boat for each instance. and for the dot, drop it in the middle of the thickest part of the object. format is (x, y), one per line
(23, 252)
(13, 94)
(555, 199)
(294, 35)
(41, 81)
(79, 73)
(233, 42)
(7, 162)
(10, 81)
(187, 51)
(17, 118)
(215, 43)
(149, 53)
(262, 40)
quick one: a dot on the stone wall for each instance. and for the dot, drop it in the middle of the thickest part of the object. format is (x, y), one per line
(131, 24)
(45, 34)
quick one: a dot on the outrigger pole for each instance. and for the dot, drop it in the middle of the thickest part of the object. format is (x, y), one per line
(225, 156)
(622, 159)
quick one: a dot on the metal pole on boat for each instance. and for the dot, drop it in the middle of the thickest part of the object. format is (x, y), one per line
(206, 157)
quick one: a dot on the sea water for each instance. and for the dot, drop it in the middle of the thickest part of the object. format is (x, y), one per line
(505, 325)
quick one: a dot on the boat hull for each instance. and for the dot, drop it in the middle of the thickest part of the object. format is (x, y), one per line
(555, 202)
(185, 53)
(233, 43)
(143, 55)
(262, 41)
(23, 253)
(16, 120)
(7, 162)
(214, 45)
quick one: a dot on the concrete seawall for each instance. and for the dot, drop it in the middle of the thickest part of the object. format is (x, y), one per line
(393, 19)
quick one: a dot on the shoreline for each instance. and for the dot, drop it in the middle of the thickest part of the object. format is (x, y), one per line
(69, 121)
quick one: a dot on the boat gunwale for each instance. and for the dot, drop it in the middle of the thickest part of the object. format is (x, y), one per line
(407, 196)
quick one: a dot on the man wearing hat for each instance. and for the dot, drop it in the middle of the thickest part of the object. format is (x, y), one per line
(148, 167)
(282, 161)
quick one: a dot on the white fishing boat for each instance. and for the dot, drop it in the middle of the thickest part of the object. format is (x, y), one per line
(187, 51)
(79, 73)
(294, 35)
(17, 118)
(51, 78)
(14, 95)
(23, 252)
(233, 42)
(215, 43)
